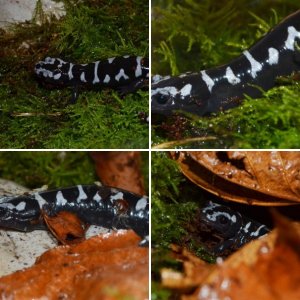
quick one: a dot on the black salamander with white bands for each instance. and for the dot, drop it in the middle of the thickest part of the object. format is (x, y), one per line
(227, 228)
(223, 87)
(109, 207)
(125, 73)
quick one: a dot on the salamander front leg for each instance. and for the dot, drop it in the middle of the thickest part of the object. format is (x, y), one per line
(297, 56)
(75, 94)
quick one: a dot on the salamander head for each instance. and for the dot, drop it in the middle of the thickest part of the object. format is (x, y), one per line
(52, 70)
(170, 94)
(220, 220)
(18, 213)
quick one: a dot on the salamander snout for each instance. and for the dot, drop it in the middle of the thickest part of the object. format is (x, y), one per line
(39, 69)
(163, 99)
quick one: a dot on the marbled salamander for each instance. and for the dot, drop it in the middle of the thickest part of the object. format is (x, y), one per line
(227, 228)
(125, 73)
(95, 205)
(224, 87)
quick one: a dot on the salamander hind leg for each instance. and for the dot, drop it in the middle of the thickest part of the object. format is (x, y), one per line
(131, 87)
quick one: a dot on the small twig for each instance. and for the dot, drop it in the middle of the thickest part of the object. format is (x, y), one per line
(167, 145)
(16, 114)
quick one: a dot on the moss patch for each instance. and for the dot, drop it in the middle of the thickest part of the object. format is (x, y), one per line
(174, 204)
(56, 169)
(34, 117)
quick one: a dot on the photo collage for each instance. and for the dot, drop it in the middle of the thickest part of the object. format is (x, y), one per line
(149, 150)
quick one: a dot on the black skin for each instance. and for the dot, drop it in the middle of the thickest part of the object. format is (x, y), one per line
(223, 94)
(120, 214)
(123, 86)
(222, 236)
(122, 90)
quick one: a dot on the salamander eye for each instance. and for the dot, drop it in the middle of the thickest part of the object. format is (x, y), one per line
(162, 99)
(223, 220)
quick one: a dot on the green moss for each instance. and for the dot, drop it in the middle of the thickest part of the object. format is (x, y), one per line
(34, 117)
(174, 201)
(159, 293)
(55, 169)
(174, 204)
(34, 169)
(207, 34)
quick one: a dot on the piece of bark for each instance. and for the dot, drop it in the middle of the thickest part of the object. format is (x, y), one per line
(120, 169)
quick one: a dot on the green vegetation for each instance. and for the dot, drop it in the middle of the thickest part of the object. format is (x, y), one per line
(55, 169)
(192, 35)
(174, 204)
(32, 116)
(34, 169)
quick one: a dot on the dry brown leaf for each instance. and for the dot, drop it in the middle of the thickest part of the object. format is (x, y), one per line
(265, 269)
(120, 169)
(107, 267)
(66, 227)
(194, 271)
(254, 177)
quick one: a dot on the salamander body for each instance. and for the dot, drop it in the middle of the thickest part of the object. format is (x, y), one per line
(223, 87)
(227, 228)
(95, 205)
(126, 73)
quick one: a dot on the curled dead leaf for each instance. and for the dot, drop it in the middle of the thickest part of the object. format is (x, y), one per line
(265, 269)
(66, 227)
(253, 177)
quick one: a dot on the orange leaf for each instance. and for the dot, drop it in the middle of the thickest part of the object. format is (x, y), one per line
(66, 227)
(265, 269)
(106, 267)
